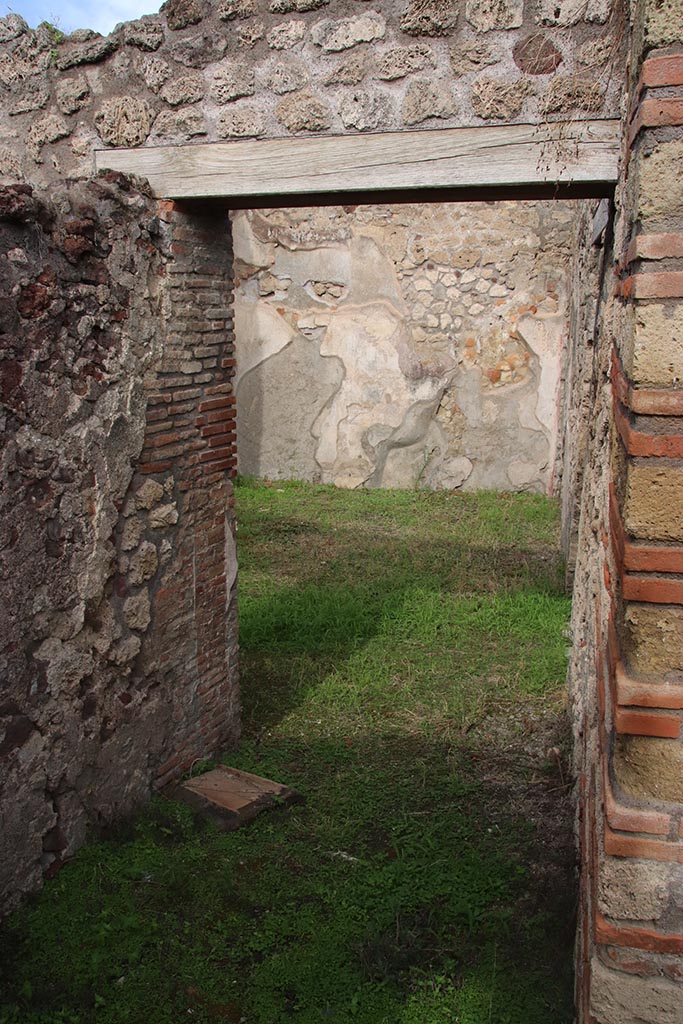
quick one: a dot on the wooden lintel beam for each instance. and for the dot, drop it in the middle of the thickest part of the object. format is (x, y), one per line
(580, 156)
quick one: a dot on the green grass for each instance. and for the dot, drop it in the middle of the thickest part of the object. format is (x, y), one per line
(402, 666)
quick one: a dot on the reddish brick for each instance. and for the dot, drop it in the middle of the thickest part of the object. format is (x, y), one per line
(645, 401)
(665, 285)
(161, 440)
(634, 692)
(228, 438)
(216, 453)
(629, 819)
(661, 71)
(638, 443)
(636, 938)
(652, 589)
(655, 247)
(654, 112)
(214, 403)
(641, 723)
(647, 558)
(618, 845)
(214, 467)
(154, 467)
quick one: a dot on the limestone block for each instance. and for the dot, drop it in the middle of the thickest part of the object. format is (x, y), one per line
(333, 36)
(632, 890)
(660, 175)
(125, 650)
(596, 52)
(33, 96)
(570, 12)
(143, 564)
(351, 71)
(66, 664)
(366, 111)
(91, 52)
(620, 998)
(72, 94)
(427, 98)
(145, 34)
(492, 15)
(663, 22)
(649, 768)
(155, 72)
(10, 165)
(430, 18)
(285, 75)
(652, 351)
(536, 54)
(131, 533)
(163, 515)
(242, 121)
(183, 89)
(150, 493)
(231, 81)
(181, 13)
(11, 26)
(653, 509)
(228, 10)
(124, 121)
(46, 129)
(287, 6)
(186, 123)
(249, 34)
(198, 51)
(286, 35)
(472, 56)
(653, 638)
(405, 60)
(136, 611)
(494, 100)
(572, 93)
(303, 112)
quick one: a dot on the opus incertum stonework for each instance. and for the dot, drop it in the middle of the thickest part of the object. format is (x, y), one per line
(117, 558)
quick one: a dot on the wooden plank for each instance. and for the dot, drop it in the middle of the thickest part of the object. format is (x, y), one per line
(231, 797)
(447, 158)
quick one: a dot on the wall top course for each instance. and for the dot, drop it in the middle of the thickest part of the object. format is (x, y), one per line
(226, 69)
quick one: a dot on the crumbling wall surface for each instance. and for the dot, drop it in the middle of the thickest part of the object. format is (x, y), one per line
(206, 70)
(589, 282)
(402, 346)
(98, 698)
(626, 669)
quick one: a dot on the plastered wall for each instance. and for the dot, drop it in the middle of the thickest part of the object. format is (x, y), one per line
(402, 346)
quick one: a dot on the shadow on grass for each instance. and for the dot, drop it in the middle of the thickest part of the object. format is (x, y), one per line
(400, 682)
(417, 885)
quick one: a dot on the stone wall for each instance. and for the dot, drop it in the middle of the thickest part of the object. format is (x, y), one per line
(402, 346)
(626, 670)
(117, 640)
(202, 71)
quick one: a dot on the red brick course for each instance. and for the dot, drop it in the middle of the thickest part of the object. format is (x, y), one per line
(662, 71)
(665, 285)
(635, 937)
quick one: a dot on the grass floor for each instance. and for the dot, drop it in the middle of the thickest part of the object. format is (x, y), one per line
(403, 658)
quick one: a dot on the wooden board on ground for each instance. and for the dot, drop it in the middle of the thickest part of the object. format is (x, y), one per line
(502, 155)
(232, 798)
